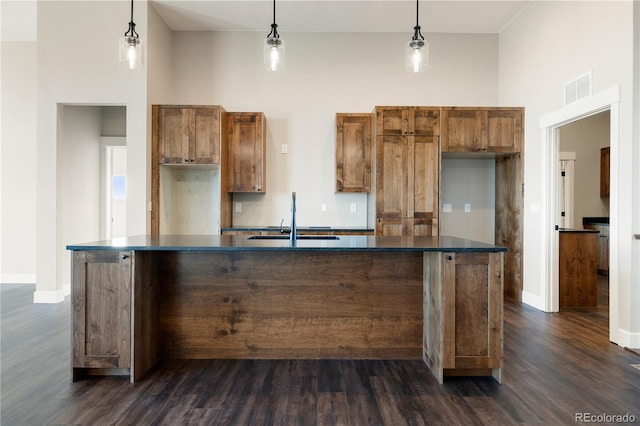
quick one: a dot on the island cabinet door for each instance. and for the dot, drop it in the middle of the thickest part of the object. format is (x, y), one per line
(472, 311)
(101, 316)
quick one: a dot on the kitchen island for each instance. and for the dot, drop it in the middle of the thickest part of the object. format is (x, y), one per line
(142, 299)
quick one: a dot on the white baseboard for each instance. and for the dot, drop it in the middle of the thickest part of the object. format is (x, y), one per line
(18, 279)
(532, 300)
(51, 296)
(628, 340)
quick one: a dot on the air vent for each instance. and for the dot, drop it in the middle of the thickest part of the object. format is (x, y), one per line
(578, 88)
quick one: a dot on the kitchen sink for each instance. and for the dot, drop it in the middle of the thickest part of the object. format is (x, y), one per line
(299, 237)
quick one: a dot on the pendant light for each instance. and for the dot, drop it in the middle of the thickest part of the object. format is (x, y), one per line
(273, 47)
(131, 45)
(416, 58)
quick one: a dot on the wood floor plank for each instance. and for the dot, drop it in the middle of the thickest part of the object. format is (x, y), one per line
(554, 366)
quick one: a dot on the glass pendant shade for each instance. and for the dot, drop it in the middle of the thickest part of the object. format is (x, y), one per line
(273, 54)
(416, 57)
(131, 52)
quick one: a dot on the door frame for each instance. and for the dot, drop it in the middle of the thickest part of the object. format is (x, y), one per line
(549, 124)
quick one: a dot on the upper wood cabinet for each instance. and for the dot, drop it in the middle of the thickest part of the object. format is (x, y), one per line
(605, 167)
(188, 134)
(407, 170)
(408, 121)
(496, 130)
(246, 132)
(353, 152)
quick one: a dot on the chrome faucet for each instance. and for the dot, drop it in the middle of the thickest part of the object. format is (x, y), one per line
(292, 230)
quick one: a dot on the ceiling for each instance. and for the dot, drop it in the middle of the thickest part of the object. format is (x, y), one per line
(443, 16)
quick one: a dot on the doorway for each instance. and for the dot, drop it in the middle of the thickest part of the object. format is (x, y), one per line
(550, 125)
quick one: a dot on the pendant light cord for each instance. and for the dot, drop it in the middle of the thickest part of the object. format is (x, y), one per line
(132, 26)
(417, 35)
(274, 26)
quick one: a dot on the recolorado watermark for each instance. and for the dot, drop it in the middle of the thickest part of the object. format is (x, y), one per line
(604, 418)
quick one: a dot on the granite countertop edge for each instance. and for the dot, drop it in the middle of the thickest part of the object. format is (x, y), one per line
(241, 243)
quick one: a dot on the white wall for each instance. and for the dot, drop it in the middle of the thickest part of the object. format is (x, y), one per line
(549, 44)
(18, 59)
(585, 138)
(84, 70)
(78, 181)
(469, 181)
(325, 74)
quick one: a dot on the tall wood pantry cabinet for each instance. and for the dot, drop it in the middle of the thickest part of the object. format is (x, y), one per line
(353, 152)
(407, 170)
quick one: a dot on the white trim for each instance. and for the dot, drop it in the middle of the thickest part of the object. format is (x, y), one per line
(532, 300)
(629, 340)
(51, 296)
(18, 279)
(549, 124)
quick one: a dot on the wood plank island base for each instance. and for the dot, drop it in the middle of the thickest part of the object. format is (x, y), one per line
(142, 299)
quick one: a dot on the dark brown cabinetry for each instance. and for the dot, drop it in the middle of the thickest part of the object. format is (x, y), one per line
(189, 134)
(474, 129)
(353, 152)
(247, 152)
(407, 171)
(578, 269)
(106, 332)
(605, 161)
(463, 314)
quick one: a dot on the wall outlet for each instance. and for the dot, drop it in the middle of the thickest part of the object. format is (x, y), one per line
(238, 207)
(446, 208)
(284, 149)
(467, 208)
(323, 207)
(354, 208)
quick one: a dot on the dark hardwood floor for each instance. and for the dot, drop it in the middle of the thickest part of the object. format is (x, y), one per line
(555, 365)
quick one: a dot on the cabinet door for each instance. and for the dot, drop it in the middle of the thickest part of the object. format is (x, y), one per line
(424, 121)
(204, 135)
(605, 167)
(247, 152)
(353, 152)
(391, 121)
(504, 130)
(188, 135)
(391, 184)
(472, 310)
(173, 134)
(463, 130)
(101, 300)
(422, 185)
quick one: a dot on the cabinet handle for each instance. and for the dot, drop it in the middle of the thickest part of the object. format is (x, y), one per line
(124, 256)
(449, 257)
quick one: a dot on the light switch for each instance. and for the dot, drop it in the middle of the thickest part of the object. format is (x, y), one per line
(354, 208)
(323, 207)
(467, 208)
(285, 148)
(446, 208)
(238, 207)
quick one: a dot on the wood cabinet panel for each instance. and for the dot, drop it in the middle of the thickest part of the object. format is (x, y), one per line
(471, 129)
(578, 269)
(407, 173)
(187, 134)
(463, 314)
(353, 152)
(418, 121)
(101, 300)
(247, 152)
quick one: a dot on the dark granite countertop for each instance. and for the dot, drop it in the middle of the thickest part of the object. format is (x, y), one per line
(582, 231)
(242, 242)
(314, 229)
(595, 220)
